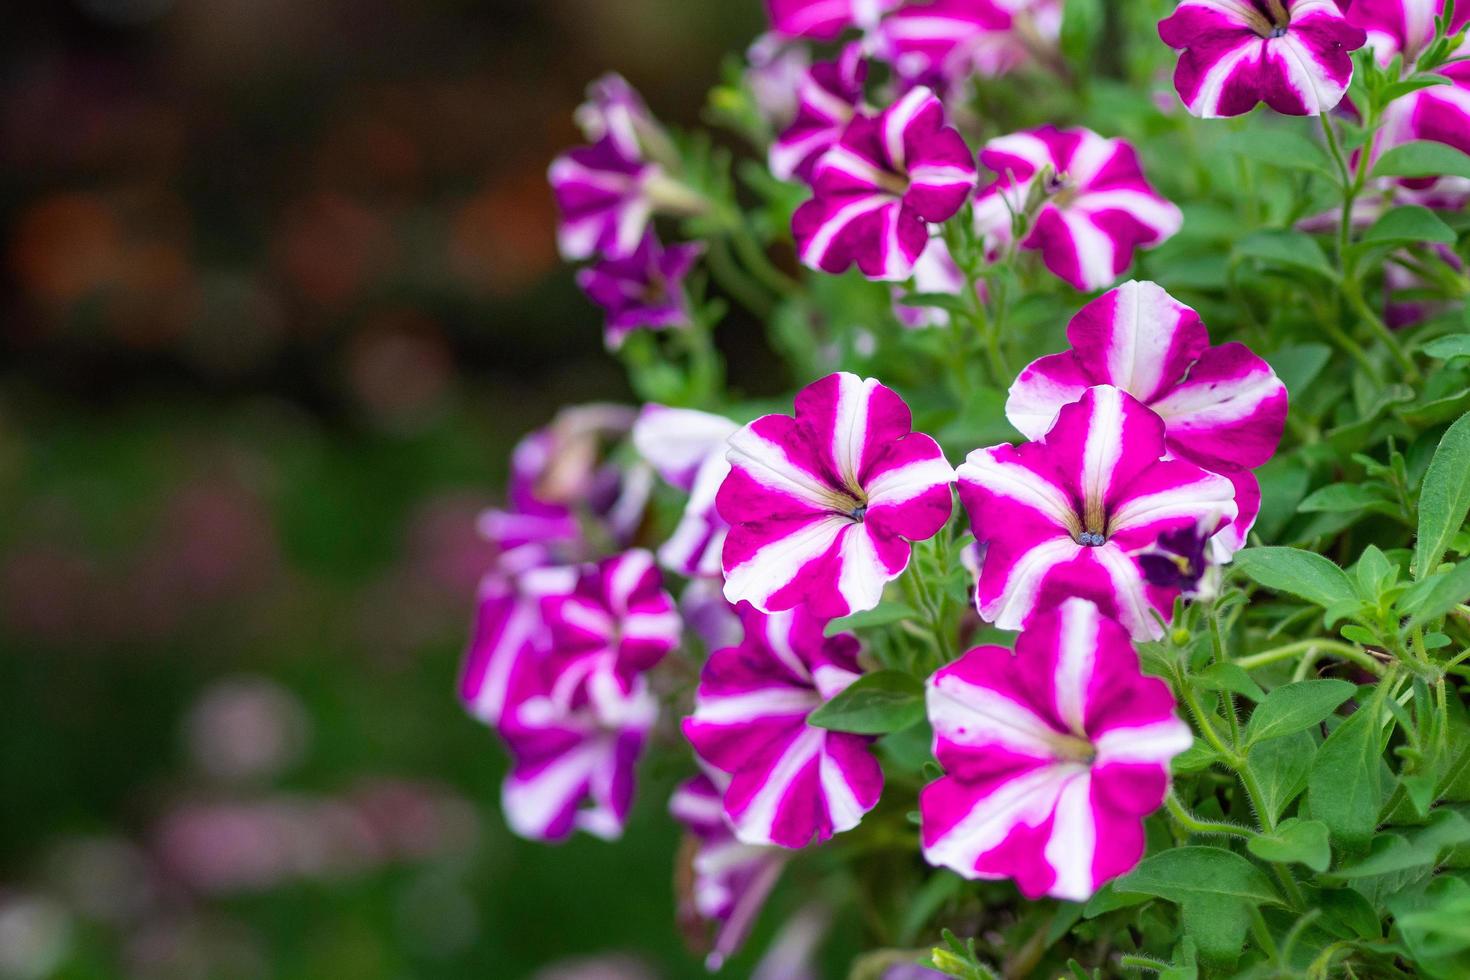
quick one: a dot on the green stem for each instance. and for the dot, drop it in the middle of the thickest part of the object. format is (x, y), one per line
(735, 281)
(1202, 721)
(760, 264)
(1198, 825)
(1344, 650)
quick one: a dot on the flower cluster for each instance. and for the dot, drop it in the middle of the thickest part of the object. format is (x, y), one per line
(834, 602)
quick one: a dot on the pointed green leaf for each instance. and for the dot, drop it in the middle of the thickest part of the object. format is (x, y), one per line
(1444, 499)
(1345, 788)
(1304, 574)
(1295, 841)
(884, 614)
(876, 704)
(1421, 158)
(1295, 707)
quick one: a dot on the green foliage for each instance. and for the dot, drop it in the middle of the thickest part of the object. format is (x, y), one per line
(877, 703)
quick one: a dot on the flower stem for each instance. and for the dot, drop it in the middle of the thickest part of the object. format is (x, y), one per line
(1344, 650)
(1198, 825)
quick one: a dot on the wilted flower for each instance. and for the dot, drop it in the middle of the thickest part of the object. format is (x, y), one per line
(828, 95)
(822, 507)
(1085, 197)
(1053, 756)
(728, 881)
(877, 189)
(644, 290)
(1064, 516)
(1293, 55)
(1223, 407)
(791, 783)
(687, 448)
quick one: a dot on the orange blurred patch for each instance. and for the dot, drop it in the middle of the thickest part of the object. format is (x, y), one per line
(502, 240)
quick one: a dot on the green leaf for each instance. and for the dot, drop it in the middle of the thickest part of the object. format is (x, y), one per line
(1289, 249)
(1285, 148)
(1082, 27)
(1342, 498)
(1345, 788)
(1295, 841)
(1430, 598)
(1410, 224)
(1444, 499)
(876, 704)
(1230, 677)
(1449, 347)
(884, 614)
(1422, 158)
(1280, 767)
(1296, 707)
(1304, 574)
(1216, 890)
(1421, 847)
(1297, 365)
(1435, 925)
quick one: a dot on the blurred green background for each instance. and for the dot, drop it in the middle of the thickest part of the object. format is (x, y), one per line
(280, 294)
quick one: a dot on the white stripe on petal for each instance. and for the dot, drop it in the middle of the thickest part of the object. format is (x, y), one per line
(862, 576)
(909, 481)
(1134, 609)
(1095, 248)
(1023, 583)
(1018, 483)
(532, 803)
(754, 824)
(835, 223)
(766, 463)
(1076, 661)
(968, 714)
(773, 567)
(842, 806)
(1025, 800)
(1073, 841)
(1158, 742)
(1210, 494)
(750, 706)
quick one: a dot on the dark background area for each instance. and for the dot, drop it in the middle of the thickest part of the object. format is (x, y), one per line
(280, 292)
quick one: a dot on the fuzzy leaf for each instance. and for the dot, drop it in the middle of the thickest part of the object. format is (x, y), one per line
(1304, 574)
(1295, 707)
(1280, 767)
(1430, 598)
(1422, 158)
(1216, 890)
(1295, 841)
(1444, 499)
(1345, 788)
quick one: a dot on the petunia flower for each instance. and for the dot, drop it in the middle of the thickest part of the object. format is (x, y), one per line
(822, 506)
(611, 627)
(643, 290)
(877, 189)
(1065, 516)
(947, 42)
(1439, 113)
(1053, 755)
(614, 110)
(825, 20)
(791, 783)
(573, 770)
(1181, 559)
(1092, 206)
(607, 196)
(725, 882)
(828, 95)
(776, 69)
(687, 448)
(1223, 407)
(1293, 55)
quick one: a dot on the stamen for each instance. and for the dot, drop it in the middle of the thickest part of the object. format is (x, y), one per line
(858, 512)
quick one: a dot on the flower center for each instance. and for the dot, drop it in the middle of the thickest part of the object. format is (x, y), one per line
(1074, 748)
(895, 184)
(1061, 189)
(858, 512)
(1273, 22)
(1091, 539)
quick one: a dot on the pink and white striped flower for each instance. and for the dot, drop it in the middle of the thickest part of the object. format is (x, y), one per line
(1095, 206)
(641, 291)
(822, 507)
(1053, 756)
(614, 110)
(1067, 515)
(880, 186)
(602, 193)
(791, 783)
(1293, 55)
(687, 448)
(574, 770)
(1405, 28)
(828, 95)
(615, 624)
(776, 69)
(947, 42)
(825, 20)
(728, 881)
(1223, 407)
